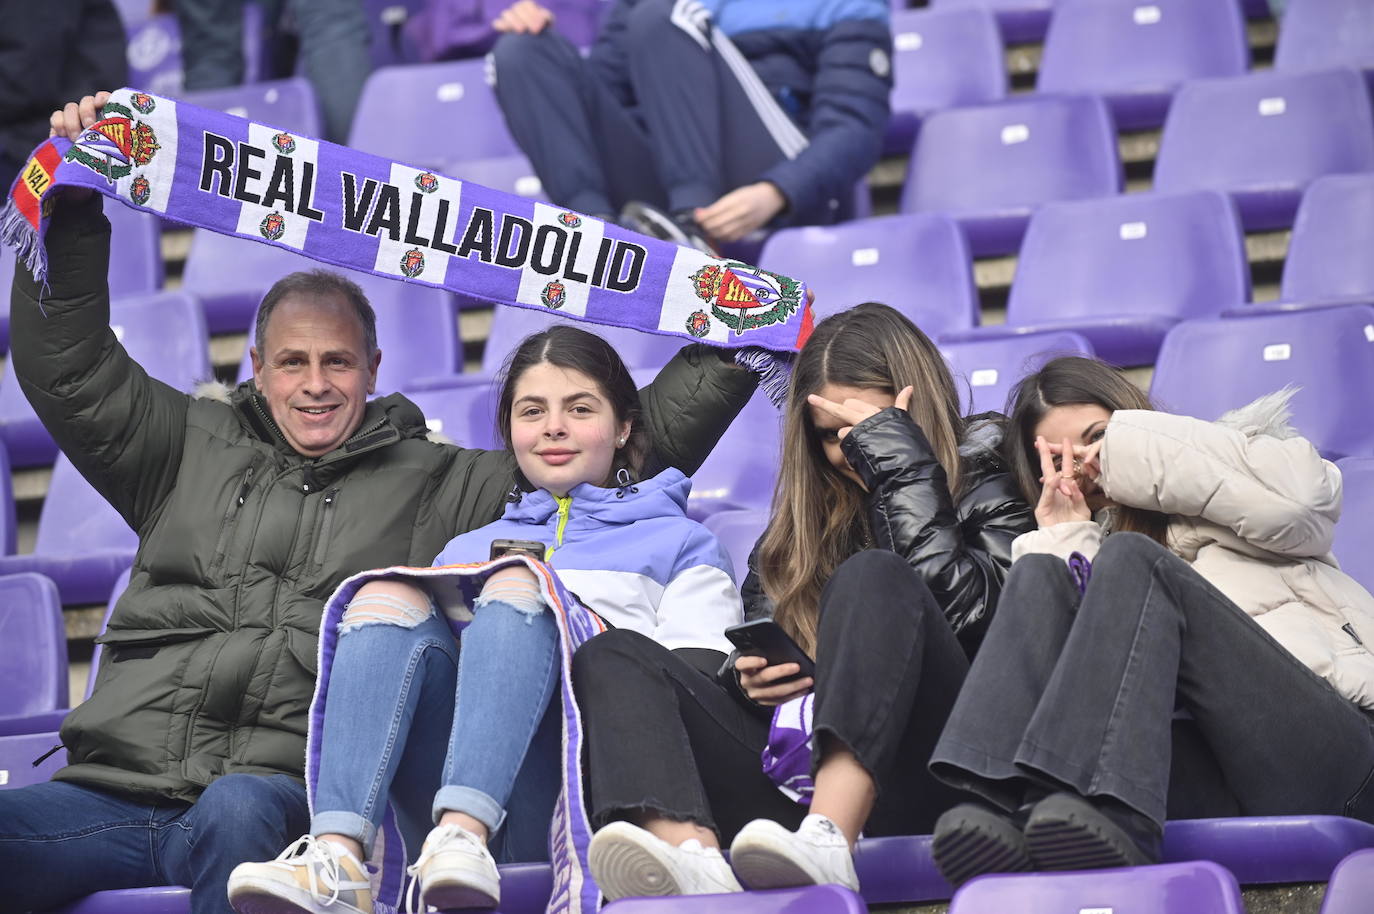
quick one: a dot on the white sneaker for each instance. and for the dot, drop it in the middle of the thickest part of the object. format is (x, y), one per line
(628, 861)
(767, 856)
(318, 877)
(455, 870)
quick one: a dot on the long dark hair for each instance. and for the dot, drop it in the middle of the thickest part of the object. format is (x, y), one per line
(819, 517)
(577, 350)
(1071, 381)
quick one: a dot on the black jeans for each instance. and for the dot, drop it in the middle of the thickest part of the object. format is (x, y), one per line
(665, 737)
(1082, 693)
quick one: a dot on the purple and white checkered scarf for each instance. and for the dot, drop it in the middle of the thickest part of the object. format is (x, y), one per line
(455, 588)
(352, 209)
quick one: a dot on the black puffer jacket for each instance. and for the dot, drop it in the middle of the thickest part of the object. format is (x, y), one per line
(962, 551)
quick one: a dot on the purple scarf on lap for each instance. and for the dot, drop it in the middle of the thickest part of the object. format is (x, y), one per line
(455, 588)
(352, 209)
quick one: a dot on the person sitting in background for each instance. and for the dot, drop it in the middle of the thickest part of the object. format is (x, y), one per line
(251, 506)
(890, 534)
(1178, 565)
(485, 764)
(731, 117)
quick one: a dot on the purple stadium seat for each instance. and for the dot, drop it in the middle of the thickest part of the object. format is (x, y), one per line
(1265, 850)
(133, 12)
(1170, 888)
(991, 367)
(1135, 53)
(899, 871)
(164, 332)
(1355, 532)
(815, 899)
(1329, 256)
(288, 104)
(9, 525)
(33, 666)
(417, 330)
(742, 467)
(135, 251)
(1206, 367)
(231, 275)
(413, 114)
(916, 262)
(155, 54)
(464, 412)
(511, 325)
(738, 531)
(1123, 270)
(1351, 886)
(83, 544)
(1021, 21)
(1317, 34)
(989, 167)
(19, 752)
(1264, 137)
(942, 58)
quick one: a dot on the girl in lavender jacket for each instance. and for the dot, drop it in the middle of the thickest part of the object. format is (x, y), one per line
(469, 741)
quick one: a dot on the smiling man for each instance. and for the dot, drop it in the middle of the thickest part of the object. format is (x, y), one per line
(251, 506)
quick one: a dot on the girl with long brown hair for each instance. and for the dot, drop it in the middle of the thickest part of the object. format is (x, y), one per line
(889, 538)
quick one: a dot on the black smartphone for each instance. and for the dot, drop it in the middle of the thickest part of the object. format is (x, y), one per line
(533, 548)
(765, 638)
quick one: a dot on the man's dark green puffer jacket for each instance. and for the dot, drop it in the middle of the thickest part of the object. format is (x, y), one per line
(211, 653)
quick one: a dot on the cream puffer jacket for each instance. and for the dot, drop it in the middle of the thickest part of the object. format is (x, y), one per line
(1254, 510)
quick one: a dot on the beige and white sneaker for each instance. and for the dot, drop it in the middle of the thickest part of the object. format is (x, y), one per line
(627, 861)
(455, 870)
(767, 856)
(318, 877)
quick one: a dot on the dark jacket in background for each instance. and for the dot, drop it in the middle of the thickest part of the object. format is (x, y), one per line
(50, 54)
(211, 652)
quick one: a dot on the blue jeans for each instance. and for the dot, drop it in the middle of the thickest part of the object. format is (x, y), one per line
(412, 719)
(60, 841)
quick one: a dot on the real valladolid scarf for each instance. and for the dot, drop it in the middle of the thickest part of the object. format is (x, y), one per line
(345, 207)
(455, 588)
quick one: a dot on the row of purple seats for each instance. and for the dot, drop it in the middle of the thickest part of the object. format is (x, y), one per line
(289, 104)
(1260, 138)
(1351, 885)
(163, 331)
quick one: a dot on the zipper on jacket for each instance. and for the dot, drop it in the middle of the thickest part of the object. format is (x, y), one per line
(564, 508)
(46, 755)
(226, 526)
(1350, 630)
(326, 525)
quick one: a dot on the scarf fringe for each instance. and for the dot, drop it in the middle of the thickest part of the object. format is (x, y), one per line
(16, 232)
(774, 371)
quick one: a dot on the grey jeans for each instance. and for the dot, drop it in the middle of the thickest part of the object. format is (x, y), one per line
(1082, 693)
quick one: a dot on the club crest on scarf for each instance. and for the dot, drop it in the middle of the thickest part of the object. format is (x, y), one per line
(413, 263)
(744, 297)
(140, 190)
(144, 102)
(115, 144)
(273, 226)
(571, 220)
(699, 324)
(285, 143)
(554, 294)
(426, 182)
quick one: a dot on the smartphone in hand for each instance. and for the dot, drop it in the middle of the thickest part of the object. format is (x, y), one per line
(765, 638)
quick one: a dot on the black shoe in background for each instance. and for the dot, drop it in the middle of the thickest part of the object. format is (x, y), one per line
(1067, 832)
(679, 228)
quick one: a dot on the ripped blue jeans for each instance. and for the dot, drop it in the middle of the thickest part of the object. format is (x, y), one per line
(413, 719)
